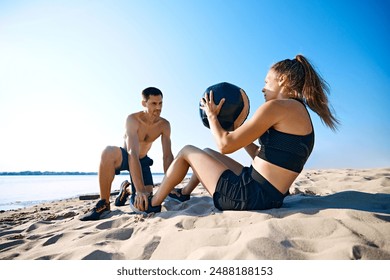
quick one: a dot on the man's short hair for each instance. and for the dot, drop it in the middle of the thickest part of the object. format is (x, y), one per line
(147, 92)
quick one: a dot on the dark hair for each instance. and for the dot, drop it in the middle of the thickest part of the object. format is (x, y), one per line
(147, 92)
(303, 82)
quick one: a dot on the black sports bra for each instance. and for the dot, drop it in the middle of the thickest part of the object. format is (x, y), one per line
(286, 150)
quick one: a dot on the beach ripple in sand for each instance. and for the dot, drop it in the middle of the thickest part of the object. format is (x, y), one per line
(332, 214)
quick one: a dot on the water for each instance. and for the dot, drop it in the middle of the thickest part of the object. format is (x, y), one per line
(23, 191)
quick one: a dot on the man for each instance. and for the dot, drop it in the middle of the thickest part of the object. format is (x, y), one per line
(142, 129)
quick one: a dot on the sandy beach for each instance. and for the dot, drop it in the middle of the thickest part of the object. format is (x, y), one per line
(334, 214)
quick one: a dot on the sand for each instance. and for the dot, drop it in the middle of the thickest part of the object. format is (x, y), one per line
(334, 214)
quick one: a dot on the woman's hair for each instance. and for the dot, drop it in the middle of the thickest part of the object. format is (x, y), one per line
(303, 82)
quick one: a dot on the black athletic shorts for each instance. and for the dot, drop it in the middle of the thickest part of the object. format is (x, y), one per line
(146, 162)
(247, 191)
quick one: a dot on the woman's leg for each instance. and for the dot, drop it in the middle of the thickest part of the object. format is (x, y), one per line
(205, 167)
(191, 185)
(225, 160)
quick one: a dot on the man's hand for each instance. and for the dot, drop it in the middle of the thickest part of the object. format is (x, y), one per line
(141, 200)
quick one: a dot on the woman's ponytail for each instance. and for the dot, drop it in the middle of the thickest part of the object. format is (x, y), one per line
(315, 91)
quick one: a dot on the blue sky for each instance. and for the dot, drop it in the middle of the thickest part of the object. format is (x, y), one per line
(71, 71)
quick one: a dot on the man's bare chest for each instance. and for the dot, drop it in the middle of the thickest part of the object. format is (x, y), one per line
(148, 136)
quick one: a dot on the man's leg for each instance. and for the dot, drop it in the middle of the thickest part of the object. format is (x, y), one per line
(110, 160)
(147, 175)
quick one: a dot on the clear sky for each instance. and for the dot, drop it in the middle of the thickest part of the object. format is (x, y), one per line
(71, 71)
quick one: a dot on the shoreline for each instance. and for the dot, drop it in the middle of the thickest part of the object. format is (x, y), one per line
(19, 192)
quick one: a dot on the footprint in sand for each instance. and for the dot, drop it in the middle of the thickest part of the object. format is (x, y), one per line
(120, 234)
(10, 245)
(266, 248)
(101, 255)
(187, 223)
(53, 240)
(150, 248)
(364, 252)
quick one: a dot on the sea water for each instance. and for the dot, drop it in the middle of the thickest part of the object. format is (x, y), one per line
(23, 191)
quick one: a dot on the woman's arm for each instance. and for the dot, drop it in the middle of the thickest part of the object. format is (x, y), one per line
(252, 149)
(266, 116)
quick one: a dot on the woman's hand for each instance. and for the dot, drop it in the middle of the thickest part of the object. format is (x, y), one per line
(208, 105)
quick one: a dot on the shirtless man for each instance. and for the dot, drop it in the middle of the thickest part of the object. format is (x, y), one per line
(142, 129)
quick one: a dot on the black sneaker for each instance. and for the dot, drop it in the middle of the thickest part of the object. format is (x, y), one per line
(101, 208)
(151, 209)
(120, 200)
(181, 197)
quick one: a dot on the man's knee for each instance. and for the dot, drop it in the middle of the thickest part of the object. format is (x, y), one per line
(110, 154)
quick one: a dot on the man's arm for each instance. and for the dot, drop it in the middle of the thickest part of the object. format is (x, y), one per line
(166, 146)
(132, 144)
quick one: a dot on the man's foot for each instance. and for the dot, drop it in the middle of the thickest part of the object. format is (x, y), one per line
(123, 194)
(151, 209)
(179, 196)
(101, 208)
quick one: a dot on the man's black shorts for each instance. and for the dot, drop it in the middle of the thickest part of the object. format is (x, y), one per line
(146, 162)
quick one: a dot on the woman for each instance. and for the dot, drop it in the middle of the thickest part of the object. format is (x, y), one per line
(285, 133)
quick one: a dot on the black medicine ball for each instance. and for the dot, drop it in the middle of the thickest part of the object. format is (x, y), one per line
(234, 111)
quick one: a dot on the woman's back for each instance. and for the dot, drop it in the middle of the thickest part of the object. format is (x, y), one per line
(289, 144)
(286, 146)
